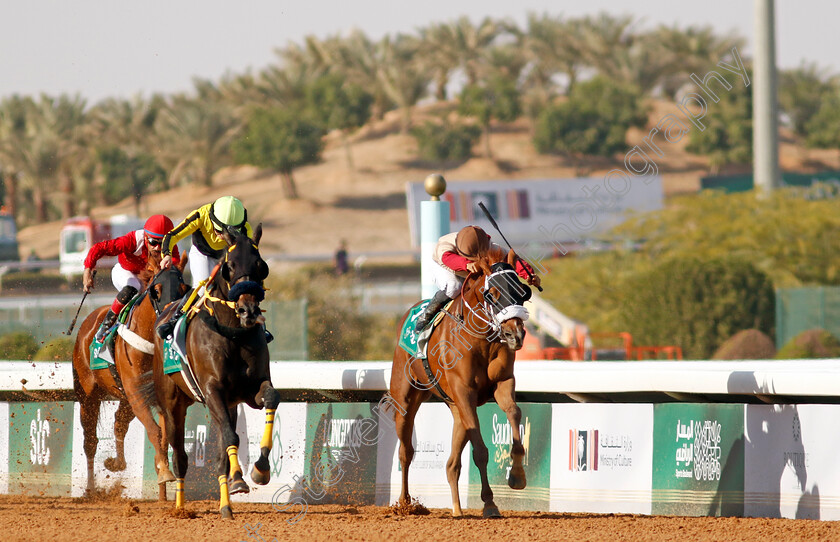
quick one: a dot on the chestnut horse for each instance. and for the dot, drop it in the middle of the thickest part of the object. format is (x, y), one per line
(227, 350)
(131, 361)
(471, 354)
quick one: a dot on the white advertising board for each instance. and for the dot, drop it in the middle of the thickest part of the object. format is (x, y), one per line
(601, 458)
(542, 211)
(134, 444)
(287, 450)
(791, 468)
(427, 474)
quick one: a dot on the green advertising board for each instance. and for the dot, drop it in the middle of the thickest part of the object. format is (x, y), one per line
(40, 448)
(340, 458)
(698, 459)
(535, 430)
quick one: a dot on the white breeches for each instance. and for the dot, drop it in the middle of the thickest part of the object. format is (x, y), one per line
(120, 278)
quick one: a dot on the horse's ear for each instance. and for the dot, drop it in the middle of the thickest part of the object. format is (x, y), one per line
(511, 258)
(258, 233)
(182, 263)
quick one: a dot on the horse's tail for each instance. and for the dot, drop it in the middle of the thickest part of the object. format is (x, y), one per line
(146, 390)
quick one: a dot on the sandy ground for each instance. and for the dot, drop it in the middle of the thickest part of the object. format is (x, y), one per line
(32, 519)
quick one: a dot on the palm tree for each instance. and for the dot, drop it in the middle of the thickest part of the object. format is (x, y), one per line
(41, 142)
(361, 62)
(195, 138)
(439, 55)
(400, 74)
(13, 142)
(472, 42)
(692, 50)
(553, 47)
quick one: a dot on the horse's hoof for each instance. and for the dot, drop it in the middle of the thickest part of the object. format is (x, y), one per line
(261, 474)
(516, 482)
(226, 512)
(165, 475)
(491, 512)
(457, 514)
(114, 465)
(238, 486)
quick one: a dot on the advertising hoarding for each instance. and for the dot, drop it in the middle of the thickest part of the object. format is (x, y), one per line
(601, 458)
(698, 459)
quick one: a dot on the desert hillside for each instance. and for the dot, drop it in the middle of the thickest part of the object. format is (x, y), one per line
(367, 206)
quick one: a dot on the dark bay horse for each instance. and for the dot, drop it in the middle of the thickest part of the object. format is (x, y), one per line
(227, 349)
(470, 361)
(132, 357)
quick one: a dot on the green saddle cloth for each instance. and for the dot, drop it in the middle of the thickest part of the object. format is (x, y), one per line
(101, 353)
(408, 338)
(175, 347)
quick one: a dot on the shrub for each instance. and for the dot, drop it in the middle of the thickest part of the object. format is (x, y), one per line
(811, 344)
(19, 345)
(747, 344)
(58, 349)
(336, 329)
(697, 304)
(594, 121)
(443, 142)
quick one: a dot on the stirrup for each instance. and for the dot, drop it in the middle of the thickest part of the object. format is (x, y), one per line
(165, 329)
(102, 332)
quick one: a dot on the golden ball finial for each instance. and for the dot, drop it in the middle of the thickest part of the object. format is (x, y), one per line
(435, 186)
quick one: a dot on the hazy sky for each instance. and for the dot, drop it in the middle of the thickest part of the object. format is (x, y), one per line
(103, 48)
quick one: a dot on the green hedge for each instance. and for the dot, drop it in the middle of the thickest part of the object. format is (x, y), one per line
(19, 345)
(697, 305)
(58, 349)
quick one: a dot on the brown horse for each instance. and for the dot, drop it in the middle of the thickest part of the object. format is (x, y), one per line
(227, 350)
(133, 358)
(470, 361)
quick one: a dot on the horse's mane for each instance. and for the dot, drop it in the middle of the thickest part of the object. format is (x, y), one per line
(152, 268)
(492, 256)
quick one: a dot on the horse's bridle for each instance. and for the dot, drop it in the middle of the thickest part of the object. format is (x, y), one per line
(158, 279)
(495, 313)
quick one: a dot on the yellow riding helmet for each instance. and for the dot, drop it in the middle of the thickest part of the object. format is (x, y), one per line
(228, 211)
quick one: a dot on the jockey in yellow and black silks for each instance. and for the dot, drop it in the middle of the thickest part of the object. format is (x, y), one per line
(207, 224)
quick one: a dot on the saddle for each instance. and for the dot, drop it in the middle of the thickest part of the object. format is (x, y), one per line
(175, 354)
(102, 353)
(415, 343)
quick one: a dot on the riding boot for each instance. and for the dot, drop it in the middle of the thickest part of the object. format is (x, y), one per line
(437, 302)
(165, 329)
(105, 326)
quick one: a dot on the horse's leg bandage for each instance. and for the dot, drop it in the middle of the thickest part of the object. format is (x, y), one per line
(234, 461)
(266, 441)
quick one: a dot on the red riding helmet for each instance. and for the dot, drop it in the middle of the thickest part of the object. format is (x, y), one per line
(157, 226)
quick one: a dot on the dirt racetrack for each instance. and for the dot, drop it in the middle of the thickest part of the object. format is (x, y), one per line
(33, 519)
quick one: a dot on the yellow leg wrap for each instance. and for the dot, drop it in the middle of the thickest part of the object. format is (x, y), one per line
(179, 492)
(234, 462)
(224, 495)
(269, 429)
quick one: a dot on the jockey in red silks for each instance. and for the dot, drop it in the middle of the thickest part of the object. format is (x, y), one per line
(133, 250)
(455, 258)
